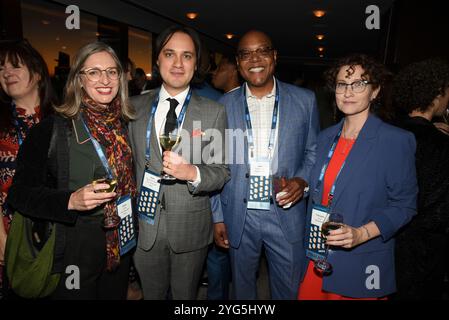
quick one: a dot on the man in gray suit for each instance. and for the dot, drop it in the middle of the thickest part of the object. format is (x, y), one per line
(173, 240)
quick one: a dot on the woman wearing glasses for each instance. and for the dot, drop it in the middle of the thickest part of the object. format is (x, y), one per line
(365, 171)
(26, 96)
(422, 91)
(88, 136)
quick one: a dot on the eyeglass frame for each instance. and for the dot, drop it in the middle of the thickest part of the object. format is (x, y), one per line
(119, 73)
(259, 52)
(365, 82)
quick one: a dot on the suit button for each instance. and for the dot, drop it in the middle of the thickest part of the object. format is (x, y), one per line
(247, 175)
(245, 201)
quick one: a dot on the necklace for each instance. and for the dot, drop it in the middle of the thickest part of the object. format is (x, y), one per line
(76, 134)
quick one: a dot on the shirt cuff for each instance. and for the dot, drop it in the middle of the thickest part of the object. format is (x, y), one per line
(198, 178)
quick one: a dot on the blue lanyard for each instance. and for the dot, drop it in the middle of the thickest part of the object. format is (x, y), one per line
(18, 124)
(150, 122)
(100, 152)
(273, 121)
(324, 168)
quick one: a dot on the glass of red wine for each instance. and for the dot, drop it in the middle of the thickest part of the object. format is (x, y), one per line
(334, 221)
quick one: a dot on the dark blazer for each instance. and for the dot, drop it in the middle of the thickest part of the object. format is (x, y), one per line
(378, 183)
(423, 245)
(40, 185)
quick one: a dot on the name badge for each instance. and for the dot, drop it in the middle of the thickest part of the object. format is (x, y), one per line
(127, 233)
(148, 197)
(260, 185)
(316, 242)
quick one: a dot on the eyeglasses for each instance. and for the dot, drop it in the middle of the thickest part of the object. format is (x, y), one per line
(260, 52)
(94, 74)
(356, 87)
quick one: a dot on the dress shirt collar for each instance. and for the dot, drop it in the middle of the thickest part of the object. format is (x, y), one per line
(180, 97)
(270, 95)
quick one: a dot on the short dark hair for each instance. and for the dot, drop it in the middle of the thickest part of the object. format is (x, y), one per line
(231, 59)
(21, 52)
(165, 36)
(139, 73)
(417, 85)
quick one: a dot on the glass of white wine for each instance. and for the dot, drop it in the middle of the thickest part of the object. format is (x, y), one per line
(169, 138)
(101, 177)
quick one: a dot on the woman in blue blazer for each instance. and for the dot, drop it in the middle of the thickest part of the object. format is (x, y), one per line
(365, 171)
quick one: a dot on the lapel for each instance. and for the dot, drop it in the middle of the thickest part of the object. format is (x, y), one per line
(193, 113)
(282, 140)
(358, 155)
(154, 142)
(322, 153)
(237, 113)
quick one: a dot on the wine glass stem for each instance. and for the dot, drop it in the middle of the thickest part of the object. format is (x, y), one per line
(326, 252)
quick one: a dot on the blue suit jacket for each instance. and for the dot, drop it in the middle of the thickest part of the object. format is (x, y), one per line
(298, 131)
(378, 183)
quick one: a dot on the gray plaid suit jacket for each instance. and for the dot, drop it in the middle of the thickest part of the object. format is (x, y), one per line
(187, 209)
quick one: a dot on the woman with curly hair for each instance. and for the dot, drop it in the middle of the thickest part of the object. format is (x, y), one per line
(422, 90)
(365, 172)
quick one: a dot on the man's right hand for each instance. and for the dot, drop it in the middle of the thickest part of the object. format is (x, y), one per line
(221, 235)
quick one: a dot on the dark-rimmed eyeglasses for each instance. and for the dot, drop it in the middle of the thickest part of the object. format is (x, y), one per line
(94, 74)
(356, 87)
(260, 52)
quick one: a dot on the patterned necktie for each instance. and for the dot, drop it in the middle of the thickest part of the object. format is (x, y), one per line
(170, 123)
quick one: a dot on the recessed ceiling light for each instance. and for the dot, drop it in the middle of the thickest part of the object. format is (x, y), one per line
(97, 34)
(320, 36)
(45, 22)
(321, 49)
(192, 15)
(64, 48)
(321, 55)
(148, 75)
(319, 13)
(229, 36)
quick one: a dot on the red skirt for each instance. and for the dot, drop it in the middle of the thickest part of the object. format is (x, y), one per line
(311, 288)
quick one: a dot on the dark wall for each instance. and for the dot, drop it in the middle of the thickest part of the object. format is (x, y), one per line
(10, 20)
(420, 30)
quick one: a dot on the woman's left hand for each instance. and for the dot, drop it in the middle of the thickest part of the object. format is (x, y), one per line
(346, 237)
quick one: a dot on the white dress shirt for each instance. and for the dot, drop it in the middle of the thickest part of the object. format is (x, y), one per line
(261, 114)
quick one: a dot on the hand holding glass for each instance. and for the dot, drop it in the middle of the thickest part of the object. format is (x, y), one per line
(168, 140)
(333, 222)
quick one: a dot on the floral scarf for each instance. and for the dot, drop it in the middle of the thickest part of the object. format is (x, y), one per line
(108, 128)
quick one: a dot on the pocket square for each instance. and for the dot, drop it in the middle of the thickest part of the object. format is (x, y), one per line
(197, 133)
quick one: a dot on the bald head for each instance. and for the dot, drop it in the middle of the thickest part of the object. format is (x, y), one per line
(253, 35)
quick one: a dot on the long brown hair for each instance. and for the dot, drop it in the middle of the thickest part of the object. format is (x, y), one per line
(73, 93)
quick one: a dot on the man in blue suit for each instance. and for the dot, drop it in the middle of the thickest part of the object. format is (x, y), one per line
(283, 126)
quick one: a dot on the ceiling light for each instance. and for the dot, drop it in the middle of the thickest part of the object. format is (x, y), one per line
(319, 13)
(192, 15)
(321, 49)
(45, 22)
(320, 36)
(229, 36)
(321, 55)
